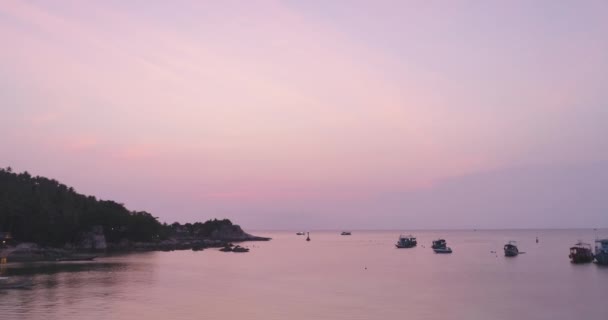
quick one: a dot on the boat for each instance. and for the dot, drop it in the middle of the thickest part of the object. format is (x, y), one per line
(601, 251)
(581, 253)
(77, 258)
(238, 248)
(439, 244)
(511, 249)
(226, 248)
(443, 250)
(346, 233)
(300, 233)
(406, 241)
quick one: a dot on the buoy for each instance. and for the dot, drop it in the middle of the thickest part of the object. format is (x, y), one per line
(307, 236)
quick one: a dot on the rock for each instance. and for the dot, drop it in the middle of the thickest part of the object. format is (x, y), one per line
(93, 240)
(227, 248)
(26, 246)
(28, 252)
(234, 233)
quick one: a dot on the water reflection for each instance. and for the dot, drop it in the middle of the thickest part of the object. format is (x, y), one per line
(332, 277)
(49, 268)
(58, 287)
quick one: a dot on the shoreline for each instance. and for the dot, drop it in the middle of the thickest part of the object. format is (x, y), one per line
(32, 252)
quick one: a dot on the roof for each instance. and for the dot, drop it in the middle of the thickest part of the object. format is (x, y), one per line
(5, 235)
(406, 236)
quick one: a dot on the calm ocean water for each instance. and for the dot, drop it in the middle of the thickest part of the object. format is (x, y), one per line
(362, 276)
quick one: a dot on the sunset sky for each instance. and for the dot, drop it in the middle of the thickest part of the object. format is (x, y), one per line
(315, 114)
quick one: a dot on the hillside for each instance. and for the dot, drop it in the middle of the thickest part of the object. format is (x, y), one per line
(47, 212)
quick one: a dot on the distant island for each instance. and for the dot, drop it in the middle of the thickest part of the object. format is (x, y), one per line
(44, 213)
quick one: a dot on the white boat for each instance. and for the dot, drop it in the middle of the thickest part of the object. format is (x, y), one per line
(300, 233)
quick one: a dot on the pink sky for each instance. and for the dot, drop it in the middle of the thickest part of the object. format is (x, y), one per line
(314, 114)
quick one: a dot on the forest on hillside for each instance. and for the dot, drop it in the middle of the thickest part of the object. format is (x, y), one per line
(45, 211)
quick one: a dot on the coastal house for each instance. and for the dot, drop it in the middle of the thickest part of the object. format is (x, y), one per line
(5, 238)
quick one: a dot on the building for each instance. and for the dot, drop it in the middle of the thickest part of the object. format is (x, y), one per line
(5, 238)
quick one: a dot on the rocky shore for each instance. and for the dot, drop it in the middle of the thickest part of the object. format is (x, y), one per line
(94, 243)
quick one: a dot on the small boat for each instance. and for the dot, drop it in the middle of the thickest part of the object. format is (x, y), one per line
(581, 253)
(601, 251)
(240, 249)
(406, 241)
(439, 244)
(346, 233)
(77, 258)
(443, 250)
(300, 233)
(511, 249)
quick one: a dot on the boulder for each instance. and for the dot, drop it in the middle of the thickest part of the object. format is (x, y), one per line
(234, 233)
(93, 240)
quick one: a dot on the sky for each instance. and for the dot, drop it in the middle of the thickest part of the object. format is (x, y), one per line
(315, 114)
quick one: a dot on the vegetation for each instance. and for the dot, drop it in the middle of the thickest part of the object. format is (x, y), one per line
(42, 210)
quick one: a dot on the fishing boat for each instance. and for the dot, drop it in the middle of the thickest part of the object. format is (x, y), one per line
(511, 249)
(300, 233)
(443, 250)
(439, 244)
(77, 258)
(601, 251)
(238, 248)
(406, 241)
(346, 233)
(581, 253)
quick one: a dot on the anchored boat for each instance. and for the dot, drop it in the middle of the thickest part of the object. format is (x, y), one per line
(581, 253)
(601, 251)
(439, 244)
(77, 258)
(406, 241)
(443, 250)
(511, 249)
(238, 248)
(346, 233)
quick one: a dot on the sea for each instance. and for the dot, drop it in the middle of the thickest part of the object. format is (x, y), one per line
(361, 276)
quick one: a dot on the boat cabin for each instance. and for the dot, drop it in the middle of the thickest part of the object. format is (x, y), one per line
(601, 245)
(581, 253)
(406, 241)
(511, 249)
(439, 244)
(601, 251)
